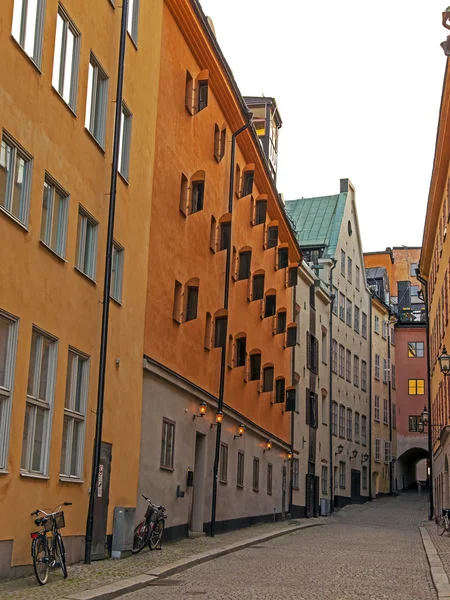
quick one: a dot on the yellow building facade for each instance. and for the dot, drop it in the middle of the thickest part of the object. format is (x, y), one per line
(59, 76)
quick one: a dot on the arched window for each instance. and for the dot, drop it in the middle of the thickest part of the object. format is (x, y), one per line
(279, 390)
(283, 257)
(220, 328)
(258, 286)
(270, 304)
(268, 373)
(191, 299)
(240, 350)
(291, 337)
(245, 259)
(281, 320)
(197, 192)
(272, 236)
(201, 91)
(255, 365)
(260, 211)
(248, 177)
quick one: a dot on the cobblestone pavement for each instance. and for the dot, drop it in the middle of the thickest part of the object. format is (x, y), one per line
(84, 577)
(369, 552)
(441, 543)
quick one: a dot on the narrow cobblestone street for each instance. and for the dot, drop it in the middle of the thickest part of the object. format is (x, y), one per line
(368, 552)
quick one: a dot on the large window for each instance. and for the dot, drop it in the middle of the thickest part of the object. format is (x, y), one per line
(223, 469)
(269, 478)
(87, 244)
(377, 366)
(167, 444)
(66, 58)
(256, 474)
(342, 262)
(376, 413)
(117, 272)
(295, 473)
(364, 326)
(15, 179)
(385, 411)
(125, 141)
(363, 375)
(363, 430)
(349, 424)
(342, 481)
(8, 343)
(357, 430)
(348, 366)
(416, 387)
(268, 379)
(334, 418)
(415, 349)
(324, 480)
(255, 367)
(55, 213)
(245, 259)
(341, 421)
(240, 470)
(96, 102)
(341, 361)
(377, 449)
(74, 415)
(133, 18)
(40, 391)
(28, 25)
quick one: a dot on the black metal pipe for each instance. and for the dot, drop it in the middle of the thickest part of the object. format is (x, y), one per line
(225, 305)
(107, 286)
(331, 390)
(424, 282)
(391, 465)
(291, 466)
(370, 394)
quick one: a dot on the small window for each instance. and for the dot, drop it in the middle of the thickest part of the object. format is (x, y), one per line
(247, 183)
(197, 196)
(223, 472)
(188, 99)
(96, 103)
(269, 478)
(191, 303)
(342, 262)
(217, 142)
(270, 305)
(281, 321)
(27, 27)
(416, 387)
(133, 18)
(279, 391)
(260, 212)
(220, 332)
(223, 142)
(364, 478)
(202, 95)
(415, 349)
(256, 474)
(54, 217)
(342, 482)
(414, 423)
(364, 430)
(272, 237)
(291, 401)
(167, 444)
(283, 258)
(245, 259)
(66, 58)
(376, 414)
(125, 142)
(292, 277)
(258, 287)
(413, 268)
(268, 379)
(291, 337)
(255, 367)
(241, 354)
(117, 272)
(15, 180)
(349, 269)
(87, 244)
(364, 326)
(240, 470)
(176, 314)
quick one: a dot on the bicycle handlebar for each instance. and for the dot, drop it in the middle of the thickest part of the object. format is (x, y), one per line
(39, 510)
(157, 506)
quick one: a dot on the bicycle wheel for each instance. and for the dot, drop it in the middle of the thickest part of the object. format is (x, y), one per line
(441, 526)
(141, 535)
(40, 559)
(60, 553)
(156, 534)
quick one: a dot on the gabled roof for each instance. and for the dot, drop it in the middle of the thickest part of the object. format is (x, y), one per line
(317, 221)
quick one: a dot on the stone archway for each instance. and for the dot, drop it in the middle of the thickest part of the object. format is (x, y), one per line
(407, 473)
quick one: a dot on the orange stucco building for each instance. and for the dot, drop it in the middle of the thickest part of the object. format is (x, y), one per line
(192, 235)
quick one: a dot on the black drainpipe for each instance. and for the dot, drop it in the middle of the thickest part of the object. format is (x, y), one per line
(370, 395)
(430, 439)
(331, 391)
(391, 464)
(107, 286)
(225, 305)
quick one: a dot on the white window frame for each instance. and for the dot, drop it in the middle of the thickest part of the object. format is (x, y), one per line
(23, 19)
(334, 418)
(72, 415)
(364, 430)
(126, 120)
(324, 480)
(63, 217)
(342, 474)
(98, 82)
(357, 271)
(357, 319)
(24, 203)
(376, 412)
(342, 262)
(377, 454)
(385, 411)
(342, 421)
(84, 218)
(357, 428)
(35, 403)
(387, 451)
(377, 324)
(66, 85)
(117, 263)
(6, 390)
(133, 19)
(167, 445)
(377, 366)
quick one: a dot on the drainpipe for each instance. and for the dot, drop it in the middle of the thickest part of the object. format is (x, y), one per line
(331, 391)
(424, 282)
(107, 286)
(291, 468)
(225, 305)
(370, 394)
(391, 465)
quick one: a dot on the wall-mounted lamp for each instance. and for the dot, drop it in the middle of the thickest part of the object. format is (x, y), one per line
(219, 419)
(289, 456)
(202, 410)
(268, 446)
(354, 454)
(444, 362)
(340, 450)
(240, 432)
(364, 458)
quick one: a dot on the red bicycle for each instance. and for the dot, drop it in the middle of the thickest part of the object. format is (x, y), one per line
(150, 530)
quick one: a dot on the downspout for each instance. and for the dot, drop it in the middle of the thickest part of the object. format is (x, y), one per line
(225, 305)
(391, 465)
(430, 440)
(107, 286)
(370, 394)
(330, 420)
(291, 468)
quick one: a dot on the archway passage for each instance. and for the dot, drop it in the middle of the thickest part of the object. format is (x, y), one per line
(412, 467)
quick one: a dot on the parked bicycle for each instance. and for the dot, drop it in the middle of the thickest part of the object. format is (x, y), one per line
(150, 530)
(48, 552)
(444, 522)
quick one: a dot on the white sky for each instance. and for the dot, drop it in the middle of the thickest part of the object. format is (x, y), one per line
(358, 85)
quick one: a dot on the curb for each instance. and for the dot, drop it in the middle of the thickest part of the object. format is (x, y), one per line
(438, 574)
(125, 586)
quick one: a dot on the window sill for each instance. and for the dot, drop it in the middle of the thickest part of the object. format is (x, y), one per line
(132, 40)
(269, 493)
(53, 252)
(70, 109)
(14, 219)
(96, 142)
(86, 276)
(38, 69)
(223, 481)
(118, 302)
(33, 475)
(4, 472)
(239, 486)
(123, 178)
(255, 490)
(65, 479)
(165, 468)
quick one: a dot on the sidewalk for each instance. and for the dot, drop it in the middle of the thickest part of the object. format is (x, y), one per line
(101, 573)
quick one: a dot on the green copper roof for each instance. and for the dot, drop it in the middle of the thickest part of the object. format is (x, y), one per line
(317, 221)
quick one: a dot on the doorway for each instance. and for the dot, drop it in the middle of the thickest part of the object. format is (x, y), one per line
(198, 490)
(283, 492)
(356, 486)
(101, 502)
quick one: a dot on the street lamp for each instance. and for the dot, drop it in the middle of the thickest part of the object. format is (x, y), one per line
(268, 446)
(240, 432)
(340, 450)
(202, 410)
(444, 362)
(354, 454)
(219, 419)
